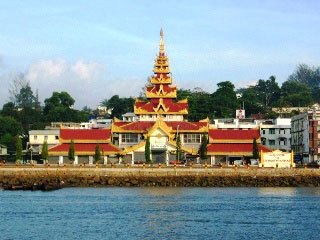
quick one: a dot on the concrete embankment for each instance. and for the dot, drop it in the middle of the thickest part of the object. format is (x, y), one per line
(168, 176)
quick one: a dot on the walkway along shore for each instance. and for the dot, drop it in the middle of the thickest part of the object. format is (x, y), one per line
(143, 176)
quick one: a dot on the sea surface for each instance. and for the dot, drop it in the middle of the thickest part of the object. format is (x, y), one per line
(161, 213)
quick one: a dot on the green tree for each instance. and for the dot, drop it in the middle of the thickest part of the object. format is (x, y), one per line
(295, 94)
(178, 147)
(19, 157)
(44, 151)
(97, 154)
(224, 101)
(10, 125)
(16, 85)
(268, 91)
(9, 110)
(71, 151)
(203, 147)
(118, 105)
(199, 102)
(25, 98)
(306, 75)
(255, 151)
(147, 150)
(250, 100)
(309, 76)
(9, 141)
(59, 108)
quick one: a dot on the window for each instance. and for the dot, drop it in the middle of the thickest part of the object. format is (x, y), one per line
(192, 138)
(272, 142)
(272, 131)
(57, 137)
(46, 138)
(282, 142)
(129, 138)
(263, 131)
(282, 131)
(35, 137)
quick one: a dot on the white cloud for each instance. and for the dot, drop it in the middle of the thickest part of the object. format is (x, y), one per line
(46, 70)
(87, 82)
(86, 71)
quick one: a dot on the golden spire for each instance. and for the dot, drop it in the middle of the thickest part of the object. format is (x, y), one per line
(161, 49)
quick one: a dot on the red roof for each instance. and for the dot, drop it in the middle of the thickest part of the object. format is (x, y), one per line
(166, 88)
(185, 126)
(234, 147)
(164, 75)
(168, 103)
(85, 134)
(234, 134)
(84, 147)
(135, 126)
(143, 126)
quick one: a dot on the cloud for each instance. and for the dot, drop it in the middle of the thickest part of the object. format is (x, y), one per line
(86, 71)
(46, 69)
(88, 83)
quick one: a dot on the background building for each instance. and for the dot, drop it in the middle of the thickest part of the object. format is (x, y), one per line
(276, 134)
(305, 131)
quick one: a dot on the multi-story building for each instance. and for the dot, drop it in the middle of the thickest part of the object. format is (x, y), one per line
(305, 135)
(276, 134)
(38, 137)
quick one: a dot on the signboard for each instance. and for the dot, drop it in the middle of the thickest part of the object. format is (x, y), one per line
(240, 114)
(277, 159)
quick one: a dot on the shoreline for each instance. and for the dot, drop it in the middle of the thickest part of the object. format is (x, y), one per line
(95, 176)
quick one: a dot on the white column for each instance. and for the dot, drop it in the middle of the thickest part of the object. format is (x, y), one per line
(227, 160)
(60, 160)
(90, 159)
(132, 158)
(213, 159)
(76, 160)
(105, 160)
(167, 158)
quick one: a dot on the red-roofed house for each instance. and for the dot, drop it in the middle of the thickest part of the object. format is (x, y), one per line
(227, 146)
(85, 142)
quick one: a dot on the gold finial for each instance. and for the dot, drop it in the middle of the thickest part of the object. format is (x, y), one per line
(161, 50)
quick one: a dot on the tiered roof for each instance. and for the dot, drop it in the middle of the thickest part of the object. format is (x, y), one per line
(174, 126)
(85, 135)
(233, 142)
(161, 94)
(85, 141)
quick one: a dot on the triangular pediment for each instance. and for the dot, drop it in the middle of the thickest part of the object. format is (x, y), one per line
(160, 129)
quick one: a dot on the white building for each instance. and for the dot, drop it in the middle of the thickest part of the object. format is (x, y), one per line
(235, 124)
(276, 134)
(38, 137)
(129, 117)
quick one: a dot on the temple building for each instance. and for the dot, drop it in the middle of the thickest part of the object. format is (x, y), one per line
(161, 120)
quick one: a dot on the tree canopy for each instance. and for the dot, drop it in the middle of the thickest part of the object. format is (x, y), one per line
(118, 105)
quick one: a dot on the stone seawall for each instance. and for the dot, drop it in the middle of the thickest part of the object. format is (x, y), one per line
(164, 177)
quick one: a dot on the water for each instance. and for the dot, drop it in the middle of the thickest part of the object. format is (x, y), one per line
(161, 213)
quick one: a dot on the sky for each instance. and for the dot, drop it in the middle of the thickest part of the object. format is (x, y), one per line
(96, 49)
